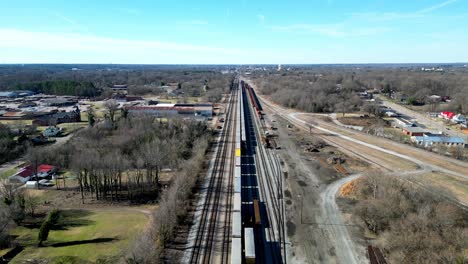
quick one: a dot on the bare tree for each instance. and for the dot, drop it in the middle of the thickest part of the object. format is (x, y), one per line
(31, 203)
(111, 108)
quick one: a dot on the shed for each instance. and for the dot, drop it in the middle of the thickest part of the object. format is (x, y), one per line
(413, 131)
(31, 184)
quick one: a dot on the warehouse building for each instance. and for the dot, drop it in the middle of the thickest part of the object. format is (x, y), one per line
(428, 140)
(196, 111)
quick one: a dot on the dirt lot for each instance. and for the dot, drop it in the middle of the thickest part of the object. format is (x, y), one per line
(357, 121)
(310, 227)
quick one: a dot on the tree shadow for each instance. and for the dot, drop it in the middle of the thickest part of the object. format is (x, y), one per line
(72, 218)
(68, 219)
(87, 241)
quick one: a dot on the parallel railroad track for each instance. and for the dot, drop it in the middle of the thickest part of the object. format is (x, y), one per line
(206, 234)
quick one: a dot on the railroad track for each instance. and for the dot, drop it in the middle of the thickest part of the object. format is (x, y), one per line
(203, 249)
(330, 141)
(226, 243)
(266, 176)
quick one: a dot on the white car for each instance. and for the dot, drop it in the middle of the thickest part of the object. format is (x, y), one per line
(46, 182)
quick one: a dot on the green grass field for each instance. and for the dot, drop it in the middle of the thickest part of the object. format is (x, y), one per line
(16, 122)
(84, 236)
(8, 173)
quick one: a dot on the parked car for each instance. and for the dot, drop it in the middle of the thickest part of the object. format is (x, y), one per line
(46, 182)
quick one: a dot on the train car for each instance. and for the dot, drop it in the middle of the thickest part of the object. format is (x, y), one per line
(258, 219)
(236, 224)
(249, 246)
(238, 161)
(237, 172)
(237, 202)
(237, 185)
(236, 250)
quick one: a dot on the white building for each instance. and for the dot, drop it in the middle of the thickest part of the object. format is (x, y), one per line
(434, 140)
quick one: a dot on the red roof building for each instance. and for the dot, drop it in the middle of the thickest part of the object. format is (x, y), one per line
(45, 168)
(447, 115)
(26, 173)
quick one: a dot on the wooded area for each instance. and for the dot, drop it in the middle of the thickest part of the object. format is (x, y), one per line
(59, 87)
(334, 89)
(411, 224)
(124, 161)
(90, 80)
(9, 147)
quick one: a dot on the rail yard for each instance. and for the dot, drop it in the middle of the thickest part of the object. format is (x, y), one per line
(240, 217)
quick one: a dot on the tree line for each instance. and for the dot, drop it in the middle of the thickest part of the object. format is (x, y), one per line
(173, 208)
(312, 92)
(91, 80)
(325, 89)
(61, 87)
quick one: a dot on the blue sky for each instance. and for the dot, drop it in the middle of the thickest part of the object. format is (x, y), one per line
(233, 32)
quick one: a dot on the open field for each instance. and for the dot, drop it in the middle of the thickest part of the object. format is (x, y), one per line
(456, 186)
(7, 173)
(87, 235)
(16, 122)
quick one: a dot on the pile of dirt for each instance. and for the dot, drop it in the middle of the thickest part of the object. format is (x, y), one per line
(349, 189)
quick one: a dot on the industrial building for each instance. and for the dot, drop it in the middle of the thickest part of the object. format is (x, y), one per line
(197, 111)
(428, 140)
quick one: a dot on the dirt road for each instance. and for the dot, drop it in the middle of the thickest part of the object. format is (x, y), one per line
(316, 230)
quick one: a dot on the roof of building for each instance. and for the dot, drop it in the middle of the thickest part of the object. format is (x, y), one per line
(58, 100)
(441, 139)
(447, 114)
(25, 172)
(45, 168)
(414, 129)
(13, 114)
(119, 86)
(7, 94)
(179, 107)
(28, 171)
(158, 107)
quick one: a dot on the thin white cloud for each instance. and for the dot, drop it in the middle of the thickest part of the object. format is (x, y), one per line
(261, 18)
(331, 30)
(95, 49)
(71, 22)
(386, 16)
(391, 16)
(435, 7)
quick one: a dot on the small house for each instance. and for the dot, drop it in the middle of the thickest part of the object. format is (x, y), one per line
(27, 173)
